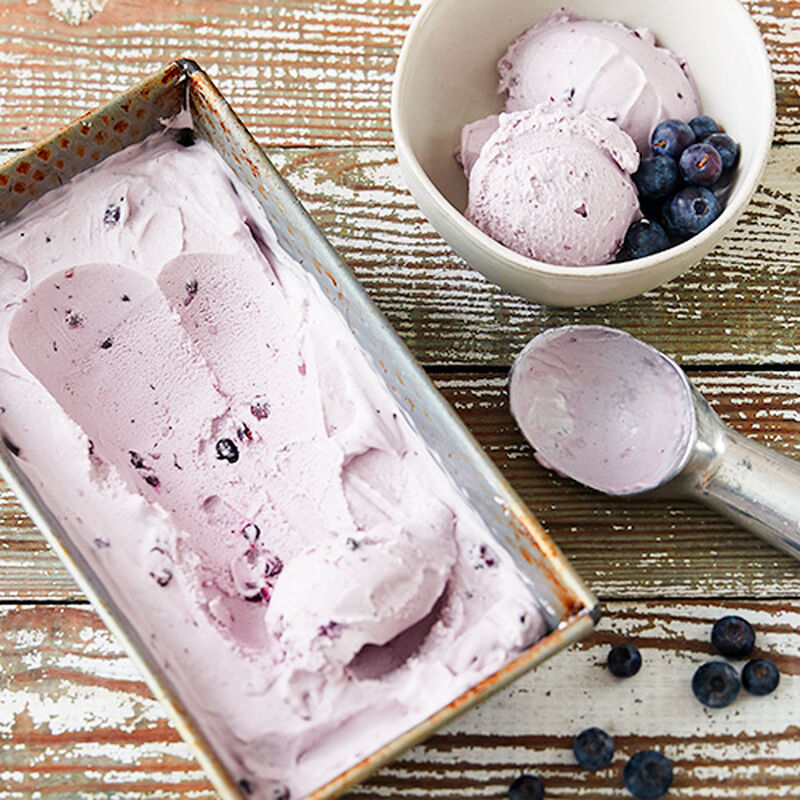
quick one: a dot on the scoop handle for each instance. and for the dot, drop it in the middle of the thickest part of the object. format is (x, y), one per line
(746, 481)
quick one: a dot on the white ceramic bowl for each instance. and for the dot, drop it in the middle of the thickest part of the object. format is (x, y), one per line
(447, 76)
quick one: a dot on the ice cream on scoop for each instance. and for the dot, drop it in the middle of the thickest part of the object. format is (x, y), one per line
(604, 67)
(554, 184)
(603, 408)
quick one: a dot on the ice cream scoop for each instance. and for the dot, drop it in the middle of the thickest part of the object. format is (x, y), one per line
(615, 414)
(555, 185)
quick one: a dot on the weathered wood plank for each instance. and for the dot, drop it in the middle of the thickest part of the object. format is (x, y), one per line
(76, 720)
(300, 72)
(744, 298)
(623, 548)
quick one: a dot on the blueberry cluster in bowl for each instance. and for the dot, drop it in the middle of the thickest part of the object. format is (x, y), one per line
(681, 186)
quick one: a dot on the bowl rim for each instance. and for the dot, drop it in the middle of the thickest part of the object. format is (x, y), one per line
(747, 182)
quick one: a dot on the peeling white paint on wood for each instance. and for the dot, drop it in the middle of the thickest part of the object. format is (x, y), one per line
(749, 749)
(76, 12)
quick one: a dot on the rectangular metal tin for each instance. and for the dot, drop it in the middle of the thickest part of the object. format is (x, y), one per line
(129, 118)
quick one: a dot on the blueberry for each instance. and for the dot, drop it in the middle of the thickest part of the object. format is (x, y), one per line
(716, 684)
(251, 532)
(162, 575)
(624, 660)
(526, 787)
(643, 238)
(671, 138)
(112, 215)
(648, 775)
(733, 637)
(701, 164)
(657, 176)
(259, 408)
(191, 290)
(691, 210)
(227, 451)
(726, 147)
(593, 749)
(760, 676)
(703, 126)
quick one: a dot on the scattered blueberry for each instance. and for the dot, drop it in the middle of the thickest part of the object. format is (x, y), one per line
(330, 630)
(643, 238)
(152, 480)
(716, 684)
(726, 147)
(161, 576)
(691, 210)
(657, 176)
(760, 676)
(244, 784)
(671, 138)
(260, 409)
(351, 543)
(191, 291)
(703, 126)
(112, 215)
(624, 660)
(648, 775)
(251, 532)
(243, 432)
(733, 637)
(100, 543)
(106, 343)
(481, 556)
(125, 299)
(593, 749)
(526, 787)
(137, 462)
(227, 451)
(701, 164)
(73, 318)
(275, 567)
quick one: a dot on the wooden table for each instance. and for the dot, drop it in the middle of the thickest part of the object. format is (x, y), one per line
(311, 79)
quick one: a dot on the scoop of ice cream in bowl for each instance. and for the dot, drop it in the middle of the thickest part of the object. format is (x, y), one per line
(582, 155)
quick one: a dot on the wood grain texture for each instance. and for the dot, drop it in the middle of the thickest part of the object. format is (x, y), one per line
(311, 78)
(76, 721)
(622, 548)
(315, 72)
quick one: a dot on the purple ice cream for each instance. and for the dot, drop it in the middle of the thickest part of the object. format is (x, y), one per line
(179, 389)
(555, 185)
(603, 67)
(602, 408)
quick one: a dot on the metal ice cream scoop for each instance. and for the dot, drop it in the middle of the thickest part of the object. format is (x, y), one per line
(615, 414)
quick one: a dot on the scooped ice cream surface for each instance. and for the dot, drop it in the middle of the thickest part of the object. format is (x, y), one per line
(212, 437)
(555, 185)
(602, 408)
(604, 67)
